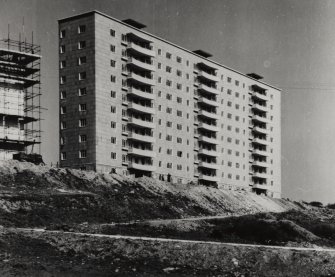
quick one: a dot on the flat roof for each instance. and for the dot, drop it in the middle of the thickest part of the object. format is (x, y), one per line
(161, 39)
(134, 23)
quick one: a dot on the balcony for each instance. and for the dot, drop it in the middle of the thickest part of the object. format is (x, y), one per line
(140, 50)
(207, 66)
(210, 77)
(260, 153)
(260, 175)
(143, 167)
(208, 114)
(140, 108)
(260, 119)
(141, 152)
(208, 102)
(141, 123)
(260, 96)
(208, 165)
(140, 79)
(141, 94)
(211, 90)
(261, 130)
(208, 140)
(260, 164)
(261, 187)
(141, 65)
(208, 127)
(260, 141)
(142, 138)
(260, 108)
(209, 178)
(206, 152)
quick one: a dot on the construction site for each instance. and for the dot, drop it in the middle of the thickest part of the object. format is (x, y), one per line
(20, 102)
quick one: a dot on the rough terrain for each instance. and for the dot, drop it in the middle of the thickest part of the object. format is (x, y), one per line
(71, 216)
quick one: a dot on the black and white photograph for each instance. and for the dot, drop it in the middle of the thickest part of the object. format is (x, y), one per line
(167, 138)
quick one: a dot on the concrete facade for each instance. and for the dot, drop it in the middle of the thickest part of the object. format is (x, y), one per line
(153, 108)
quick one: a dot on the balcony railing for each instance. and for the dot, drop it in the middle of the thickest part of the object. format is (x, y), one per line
(141, 50)
(208, 114)
(208, 140)
(208, 165)
(208, 102)
(210, 77)
(141, 65)
(212, 90)
(209, 178)
(141, 93)
(260, 164)
(260, 153)
(140, 166)
(139, 137)
(207, 152)
(141, 79)
(260, 108)
(141, 122)
(141, 108)
(260, 118)
(260, 141)
(141, 152)
(208, 127)
(259, 186)
(261, 130)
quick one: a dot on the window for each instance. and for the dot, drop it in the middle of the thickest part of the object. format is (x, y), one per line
(82, 76)
(62, 110)
(62, 49)
(159, 80)
(168, 83)
(229, 103)
(81, 29)
(113, 124)
(179, 127)
(169, 151)
(179, 86)
(82, 154)
(179, 113)
(62, 34)
(81, 60)
(179, 100)
(168, 55)
(159, 65)
(63, 94)
(62, 80)
(168, 137)
(81, 44)
(63, 156)
(179, 59)
(168, 124)
(229, 115)
(229, 91)
(112, 32)
(113, 155)
(228, 79)
(82, 122)
(62, 64)
(113, 94)
(168, 69)
(63, 125)
(112, 47)
(62, 140)
(113, 109)
(179, 154)
(82, 138)
(82, 91)
(168, 96)
(169, 165)
(169, 110)
(179, 140)
(179, 167)
(237, 83)
(113, 79)
(179, 73)
(112, 63)
(82, 107)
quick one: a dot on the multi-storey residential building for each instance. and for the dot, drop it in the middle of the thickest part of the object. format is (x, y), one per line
(19, 97)
(138, 104)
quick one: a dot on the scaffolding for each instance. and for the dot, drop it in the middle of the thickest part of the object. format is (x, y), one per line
(20, 97)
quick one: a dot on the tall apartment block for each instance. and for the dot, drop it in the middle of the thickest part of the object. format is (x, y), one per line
(19, 97)
(138, 104)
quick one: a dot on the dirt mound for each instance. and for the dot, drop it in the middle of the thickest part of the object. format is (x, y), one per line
(32, 195)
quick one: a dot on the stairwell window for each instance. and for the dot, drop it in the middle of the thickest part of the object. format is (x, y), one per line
(62, 64)
(63, 156)
(62, 49)
(82, 107)
(82, 76)
(81, 29)
(62, 34)
(82, 91)
(81, 44)
(63, 125)
(82, 122)
(62, 80)
(63, 95)
(81, 60)
(63, 110)
(62, 141)
(82, 154)
(82, 138)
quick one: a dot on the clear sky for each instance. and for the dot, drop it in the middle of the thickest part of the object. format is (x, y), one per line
(289, 42)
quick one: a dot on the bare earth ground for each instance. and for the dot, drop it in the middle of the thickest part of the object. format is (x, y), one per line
(86, 202)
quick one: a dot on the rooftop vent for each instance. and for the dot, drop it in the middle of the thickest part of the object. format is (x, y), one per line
(134, 23)
(203, 53)
(255, 76)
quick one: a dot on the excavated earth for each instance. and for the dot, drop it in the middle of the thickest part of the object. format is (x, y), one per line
(69, 205)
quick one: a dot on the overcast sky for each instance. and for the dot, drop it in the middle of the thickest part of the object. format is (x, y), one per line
(289, 42)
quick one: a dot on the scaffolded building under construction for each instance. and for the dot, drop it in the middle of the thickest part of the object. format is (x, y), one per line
(20, 91)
